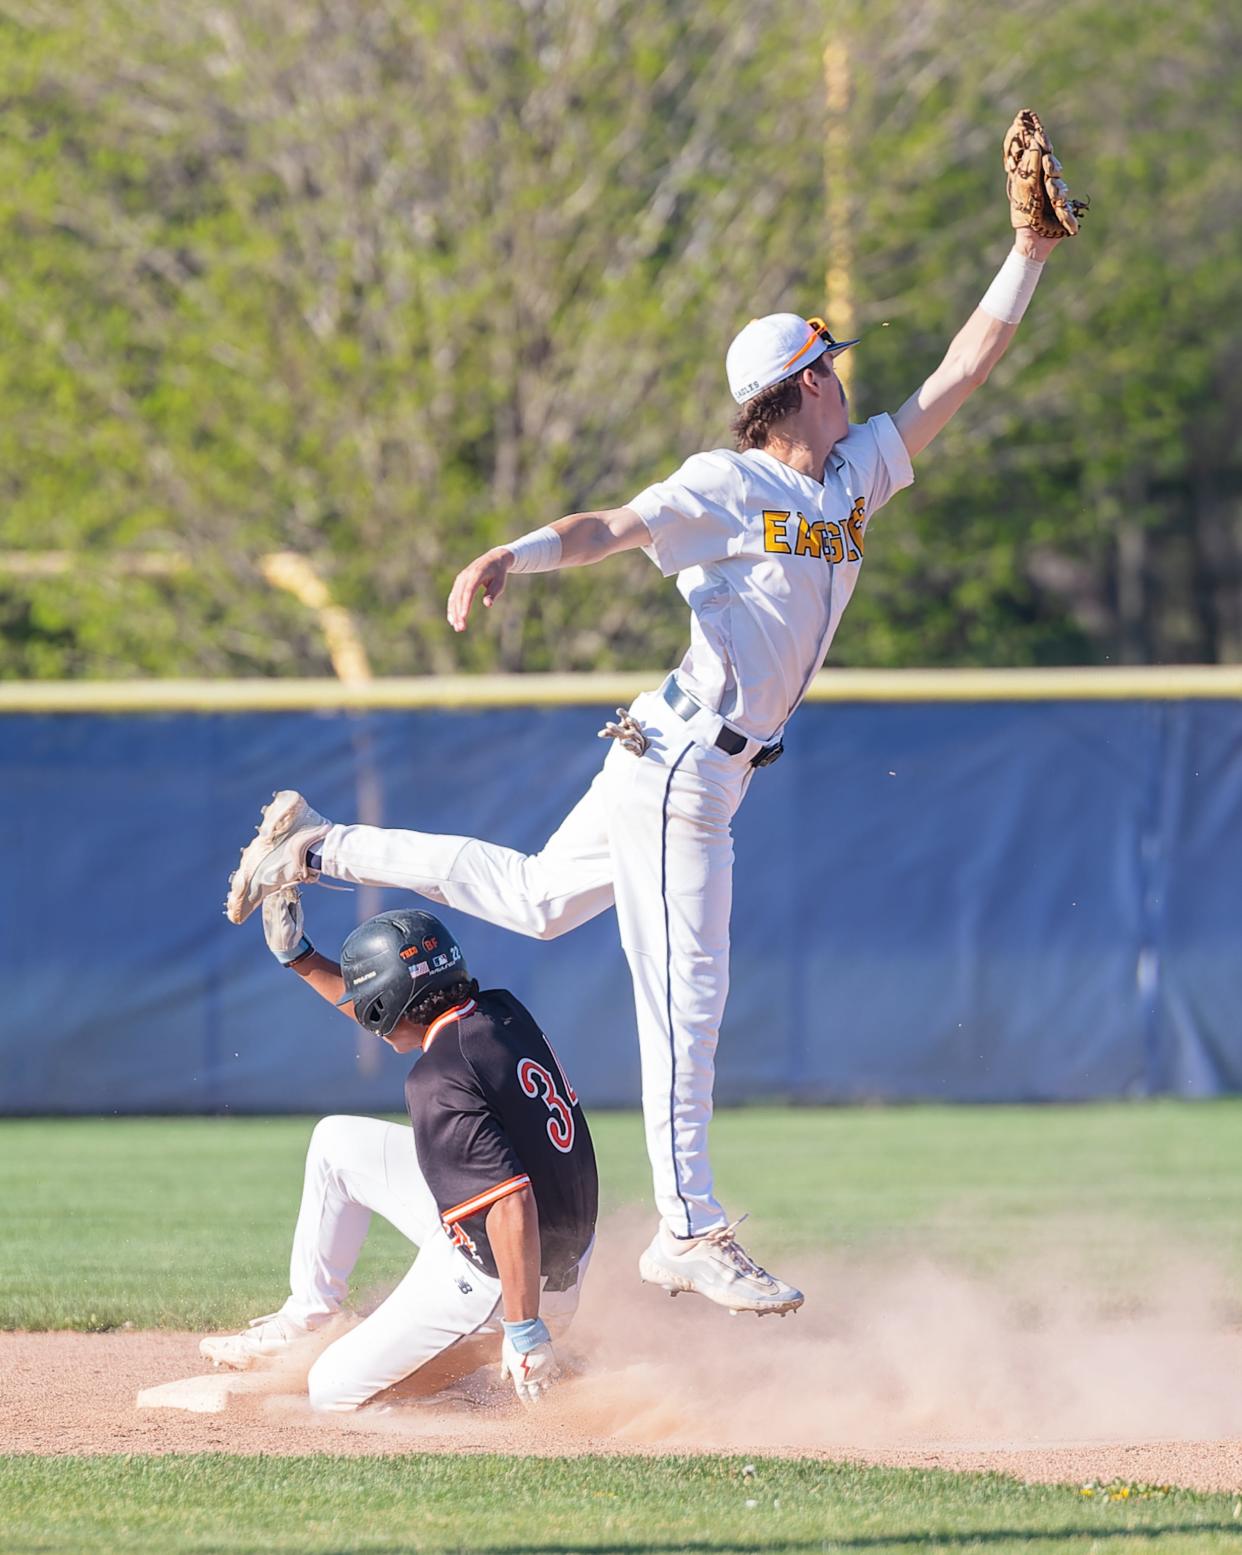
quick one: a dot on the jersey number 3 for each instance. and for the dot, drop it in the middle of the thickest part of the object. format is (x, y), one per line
(536, 1081)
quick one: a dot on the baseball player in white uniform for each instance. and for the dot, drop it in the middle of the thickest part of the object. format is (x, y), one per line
(494, 1180)
(766, 543)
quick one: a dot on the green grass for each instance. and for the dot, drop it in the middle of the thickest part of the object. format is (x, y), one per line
(554, 1507)
(185, 1222)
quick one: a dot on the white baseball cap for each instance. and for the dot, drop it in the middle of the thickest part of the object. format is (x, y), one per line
(775, 347)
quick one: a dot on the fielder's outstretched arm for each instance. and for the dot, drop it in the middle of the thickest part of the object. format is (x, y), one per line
(576, 541)
(977, 346)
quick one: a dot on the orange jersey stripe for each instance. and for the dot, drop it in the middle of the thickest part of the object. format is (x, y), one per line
(483, 1200)
(455, 1013)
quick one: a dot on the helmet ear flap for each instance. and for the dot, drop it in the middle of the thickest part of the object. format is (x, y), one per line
(372, 1014)
(383, 1010)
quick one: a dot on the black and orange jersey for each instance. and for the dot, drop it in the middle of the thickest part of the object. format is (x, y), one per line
(494, 1111)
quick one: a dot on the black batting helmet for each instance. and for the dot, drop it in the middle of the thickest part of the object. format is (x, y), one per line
(393, 959)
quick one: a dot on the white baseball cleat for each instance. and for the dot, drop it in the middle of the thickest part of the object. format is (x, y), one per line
(266, 1338)
(716, 1265)
(277, 855)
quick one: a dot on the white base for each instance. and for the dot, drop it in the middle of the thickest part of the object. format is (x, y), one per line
(204, 1395)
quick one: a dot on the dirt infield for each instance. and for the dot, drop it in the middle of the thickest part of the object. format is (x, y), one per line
(915, 1366)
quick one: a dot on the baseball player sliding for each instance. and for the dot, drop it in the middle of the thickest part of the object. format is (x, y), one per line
(766, 543)
(496, 1184)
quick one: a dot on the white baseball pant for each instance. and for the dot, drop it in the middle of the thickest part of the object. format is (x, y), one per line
(354, 1167)
(652, 836)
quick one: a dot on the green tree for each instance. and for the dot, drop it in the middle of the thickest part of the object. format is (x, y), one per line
(381, 283)
(1085, 505)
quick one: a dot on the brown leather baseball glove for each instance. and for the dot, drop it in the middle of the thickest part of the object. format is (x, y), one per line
(1039, 197)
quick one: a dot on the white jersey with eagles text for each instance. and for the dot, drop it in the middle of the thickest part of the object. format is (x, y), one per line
(767, 559)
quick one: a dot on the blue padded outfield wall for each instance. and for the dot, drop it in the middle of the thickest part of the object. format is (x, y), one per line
(952, 900)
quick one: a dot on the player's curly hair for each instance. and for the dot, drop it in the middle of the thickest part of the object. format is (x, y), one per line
(756, 418)
(423, 1011)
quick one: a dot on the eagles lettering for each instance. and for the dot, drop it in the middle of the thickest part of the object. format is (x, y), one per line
(793, 534)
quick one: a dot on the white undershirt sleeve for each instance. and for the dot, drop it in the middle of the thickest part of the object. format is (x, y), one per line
(1013, 287)
(538, 551)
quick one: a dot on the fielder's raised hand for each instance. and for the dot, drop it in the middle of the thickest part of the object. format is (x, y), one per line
(527, 1356)
(487, 573)
(574, 541)
(283, 928)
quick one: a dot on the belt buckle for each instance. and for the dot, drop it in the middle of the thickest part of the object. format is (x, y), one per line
(768, 755)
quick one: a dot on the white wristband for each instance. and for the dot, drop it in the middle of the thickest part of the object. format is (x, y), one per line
(539, 551)
(1013, 288)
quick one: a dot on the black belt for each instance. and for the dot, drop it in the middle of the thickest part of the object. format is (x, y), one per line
(728, 740)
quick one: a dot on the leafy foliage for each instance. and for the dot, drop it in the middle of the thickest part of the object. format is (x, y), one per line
(1085, 505)
(383, 284)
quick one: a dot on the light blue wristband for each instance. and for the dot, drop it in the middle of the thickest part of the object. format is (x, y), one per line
(301, 949)
(527, 1335)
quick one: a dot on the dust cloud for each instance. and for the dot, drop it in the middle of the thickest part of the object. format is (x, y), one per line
(890, 1350)
(1052, 1369)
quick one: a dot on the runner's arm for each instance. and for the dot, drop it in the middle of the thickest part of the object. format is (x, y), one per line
(324, 976)
(513, 1233)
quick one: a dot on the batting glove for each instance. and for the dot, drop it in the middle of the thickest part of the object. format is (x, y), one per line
(282, 925)
(527, 1356)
